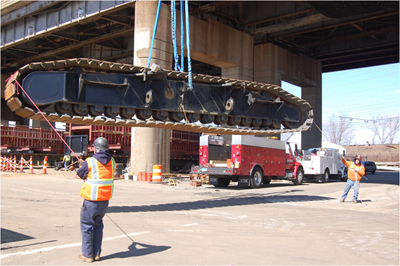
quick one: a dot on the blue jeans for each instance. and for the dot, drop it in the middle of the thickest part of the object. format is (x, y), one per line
(92, 214)
(350, 183)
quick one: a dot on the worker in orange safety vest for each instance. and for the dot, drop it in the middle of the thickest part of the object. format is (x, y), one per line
(97, 189)
(354, 175)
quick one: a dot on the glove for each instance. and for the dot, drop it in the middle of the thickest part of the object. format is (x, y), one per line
(341, 157)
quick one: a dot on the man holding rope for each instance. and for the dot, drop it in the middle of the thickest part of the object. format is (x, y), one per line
(354, 174)
(97, 189)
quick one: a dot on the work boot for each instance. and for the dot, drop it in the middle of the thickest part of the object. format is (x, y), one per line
(341, 200)
(97, 257)
(355, 201)
(84, 259)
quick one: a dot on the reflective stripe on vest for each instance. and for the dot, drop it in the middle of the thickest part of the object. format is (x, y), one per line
(98, 186)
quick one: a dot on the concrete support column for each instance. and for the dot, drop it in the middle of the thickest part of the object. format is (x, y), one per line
(273, 64)
(162, 54)
(151, 146)
(312, 138)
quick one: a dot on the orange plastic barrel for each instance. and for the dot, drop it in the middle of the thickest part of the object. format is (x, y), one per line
(140, 176)
(157, 173)
(148, 176)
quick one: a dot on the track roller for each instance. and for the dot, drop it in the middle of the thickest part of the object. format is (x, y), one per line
(143, 114)
(96, 110)
(206, 119)
(128, 113)
(112, 111)
(160, 115)
(80, 109)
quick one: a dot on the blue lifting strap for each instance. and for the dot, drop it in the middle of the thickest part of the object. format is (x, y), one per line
(154, 32)
(173, 30)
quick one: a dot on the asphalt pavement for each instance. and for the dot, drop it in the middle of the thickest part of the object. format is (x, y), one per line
(153, 224)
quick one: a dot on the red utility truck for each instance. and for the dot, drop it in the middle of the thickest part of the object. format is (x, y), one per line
(248, 160)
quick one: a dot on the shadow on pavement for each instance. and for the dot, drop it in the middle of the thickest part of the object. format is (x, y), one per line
(227, 201)
(137, 249)
(8, 236)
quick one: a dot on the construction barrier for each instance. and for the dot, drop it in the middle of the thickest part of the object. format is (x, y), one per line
(15, 164)
(1, 163)
(45, 165)
(31, 165)
(21, 166)
(148, 177)
(157, 173)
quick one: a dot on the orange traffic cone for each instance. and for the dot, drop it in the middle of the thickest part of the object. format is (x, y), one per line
(45, 165)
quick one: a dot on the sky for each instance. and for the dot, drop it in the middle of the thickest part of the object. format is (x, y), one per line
(363, 94)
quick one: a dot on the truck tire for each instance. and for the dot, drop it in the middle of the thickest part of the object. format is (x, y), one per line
(188, 165)
(325, 176)
(256, 178)
(299, 176)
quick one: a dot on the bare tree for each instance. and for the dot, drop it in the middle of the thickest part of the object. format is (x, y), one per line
(338, 131)
(386, 129)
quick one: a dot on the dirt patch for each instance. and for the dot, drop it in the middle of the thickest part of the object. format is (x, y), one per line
(376, 153)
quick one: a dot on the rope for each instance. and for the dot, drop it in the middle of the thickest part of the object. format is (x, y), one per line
(154, 32)
(19, 85)
(119, 227)
(183, 109)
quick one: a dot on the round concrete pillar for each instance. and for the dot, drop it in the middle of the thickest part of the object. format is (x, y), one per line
(151, 146)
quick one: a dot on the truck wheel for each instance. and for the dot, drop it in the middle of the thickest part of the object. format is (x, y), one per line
(256, 178)
(188, 165)
(299, 177)
(325, 176)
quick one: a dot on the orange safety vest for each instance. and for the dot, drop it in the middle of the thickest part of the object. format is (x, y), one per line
(353, 175)
(99, 184)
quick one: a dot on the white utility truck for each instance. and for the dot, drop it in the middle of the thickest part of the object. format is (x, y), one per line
(321, 163)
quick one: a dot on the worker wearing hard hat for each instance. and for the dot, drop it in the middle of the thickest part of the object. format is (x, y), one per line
(354, 175)
(98, 174)
(66, 161)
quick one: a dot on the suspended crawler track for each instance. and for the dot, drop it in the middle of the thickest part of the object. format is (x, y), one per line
(94, 92)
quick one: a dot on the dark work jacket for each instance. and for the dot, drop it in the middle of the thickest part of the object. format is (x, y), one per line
(102, 156)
